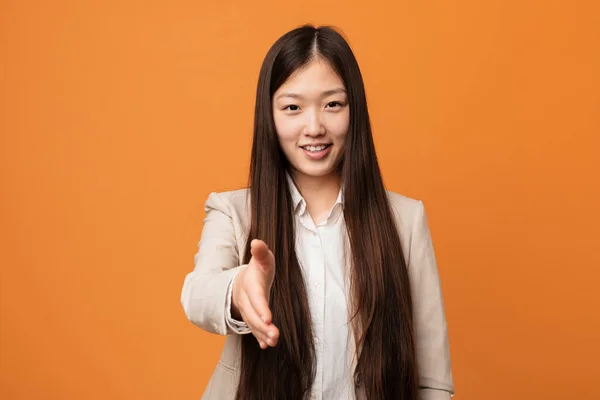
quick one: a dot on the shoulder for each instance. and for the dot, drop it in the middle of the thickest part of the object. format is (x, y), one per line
(404, 206)
(409, 213)
(228, 202)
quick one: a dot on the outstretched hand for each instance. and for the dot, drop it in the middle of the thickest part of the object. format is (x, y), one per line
(251, 291)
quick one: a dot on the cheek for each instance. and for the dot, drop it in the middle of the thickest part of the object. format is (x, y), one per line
(338, 128)
(286, 128)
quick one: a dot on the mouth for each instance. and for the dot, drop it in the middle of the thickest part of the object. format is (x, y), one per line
(316, 149)
(316, 152)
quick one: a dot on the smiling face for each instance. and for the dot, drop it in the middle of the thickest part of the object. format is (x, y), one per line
(312, 115)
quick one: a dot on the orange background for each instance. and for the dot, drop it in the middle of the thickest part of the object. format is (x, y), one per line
(119, 118)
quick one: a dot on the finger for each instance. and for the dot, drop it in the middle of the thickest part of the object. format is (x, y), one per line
(258, 301)
(253, 320)
(267, 333)
(261, 337)
(260, 251)
(264, 257)
(270, 337)
(273, 335)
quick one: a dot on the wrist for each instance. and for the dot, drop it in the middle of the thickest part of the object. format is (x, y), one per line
(235, 309)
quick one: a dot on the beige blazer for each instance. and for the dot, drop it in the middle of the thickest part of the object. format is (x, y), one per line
(219, 253)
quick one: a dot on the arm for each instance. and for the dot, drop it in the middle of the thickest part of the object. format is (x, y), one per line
(206, 293)
(431, 332)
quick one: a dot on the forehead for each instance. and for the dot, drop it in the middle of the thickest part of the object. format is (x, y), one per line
(318, 75)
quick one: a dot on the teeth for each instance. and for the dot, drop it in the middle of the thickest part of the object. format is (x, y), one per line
(315, 148)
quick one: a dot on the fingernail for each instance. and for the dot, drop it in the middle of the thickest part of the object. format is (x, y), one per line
(270, 342)
(271, 335)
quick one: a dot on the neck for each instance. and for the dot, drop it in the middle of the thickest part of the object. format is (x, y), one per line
(320, 193)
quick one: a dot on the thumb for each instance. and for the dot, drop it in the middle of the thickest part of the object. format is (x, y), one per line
(262, 256)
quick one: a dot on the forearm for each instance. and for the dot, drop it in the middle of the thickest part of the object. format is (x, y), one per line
(204, 299)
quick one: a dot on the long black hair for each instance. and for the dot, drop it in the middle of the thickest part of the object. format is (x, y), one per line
(380, 294)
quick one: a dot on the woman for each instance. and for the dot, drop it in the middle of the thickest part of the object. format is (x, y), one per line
(325, 284)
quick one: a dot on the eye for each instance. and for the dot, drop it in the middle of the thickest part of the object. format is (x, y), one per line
(334, 104)
(291, 107)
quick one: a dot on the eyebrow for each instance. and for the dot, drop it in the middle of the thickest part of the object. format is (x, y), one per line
(324, 94)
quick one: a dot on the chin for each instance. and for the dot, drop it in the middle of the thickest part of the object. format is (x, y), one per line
(316, 172)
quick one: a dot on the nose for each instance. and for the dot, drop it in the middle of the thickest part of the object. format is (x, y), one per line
(314, 124)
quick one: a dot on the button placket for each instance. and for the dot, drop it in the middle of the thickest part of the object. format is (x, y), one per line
(318, 258)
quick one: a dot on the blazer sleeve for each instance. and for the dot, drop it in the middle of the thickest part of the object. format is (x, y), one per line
(430, 329)
(204, 293)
